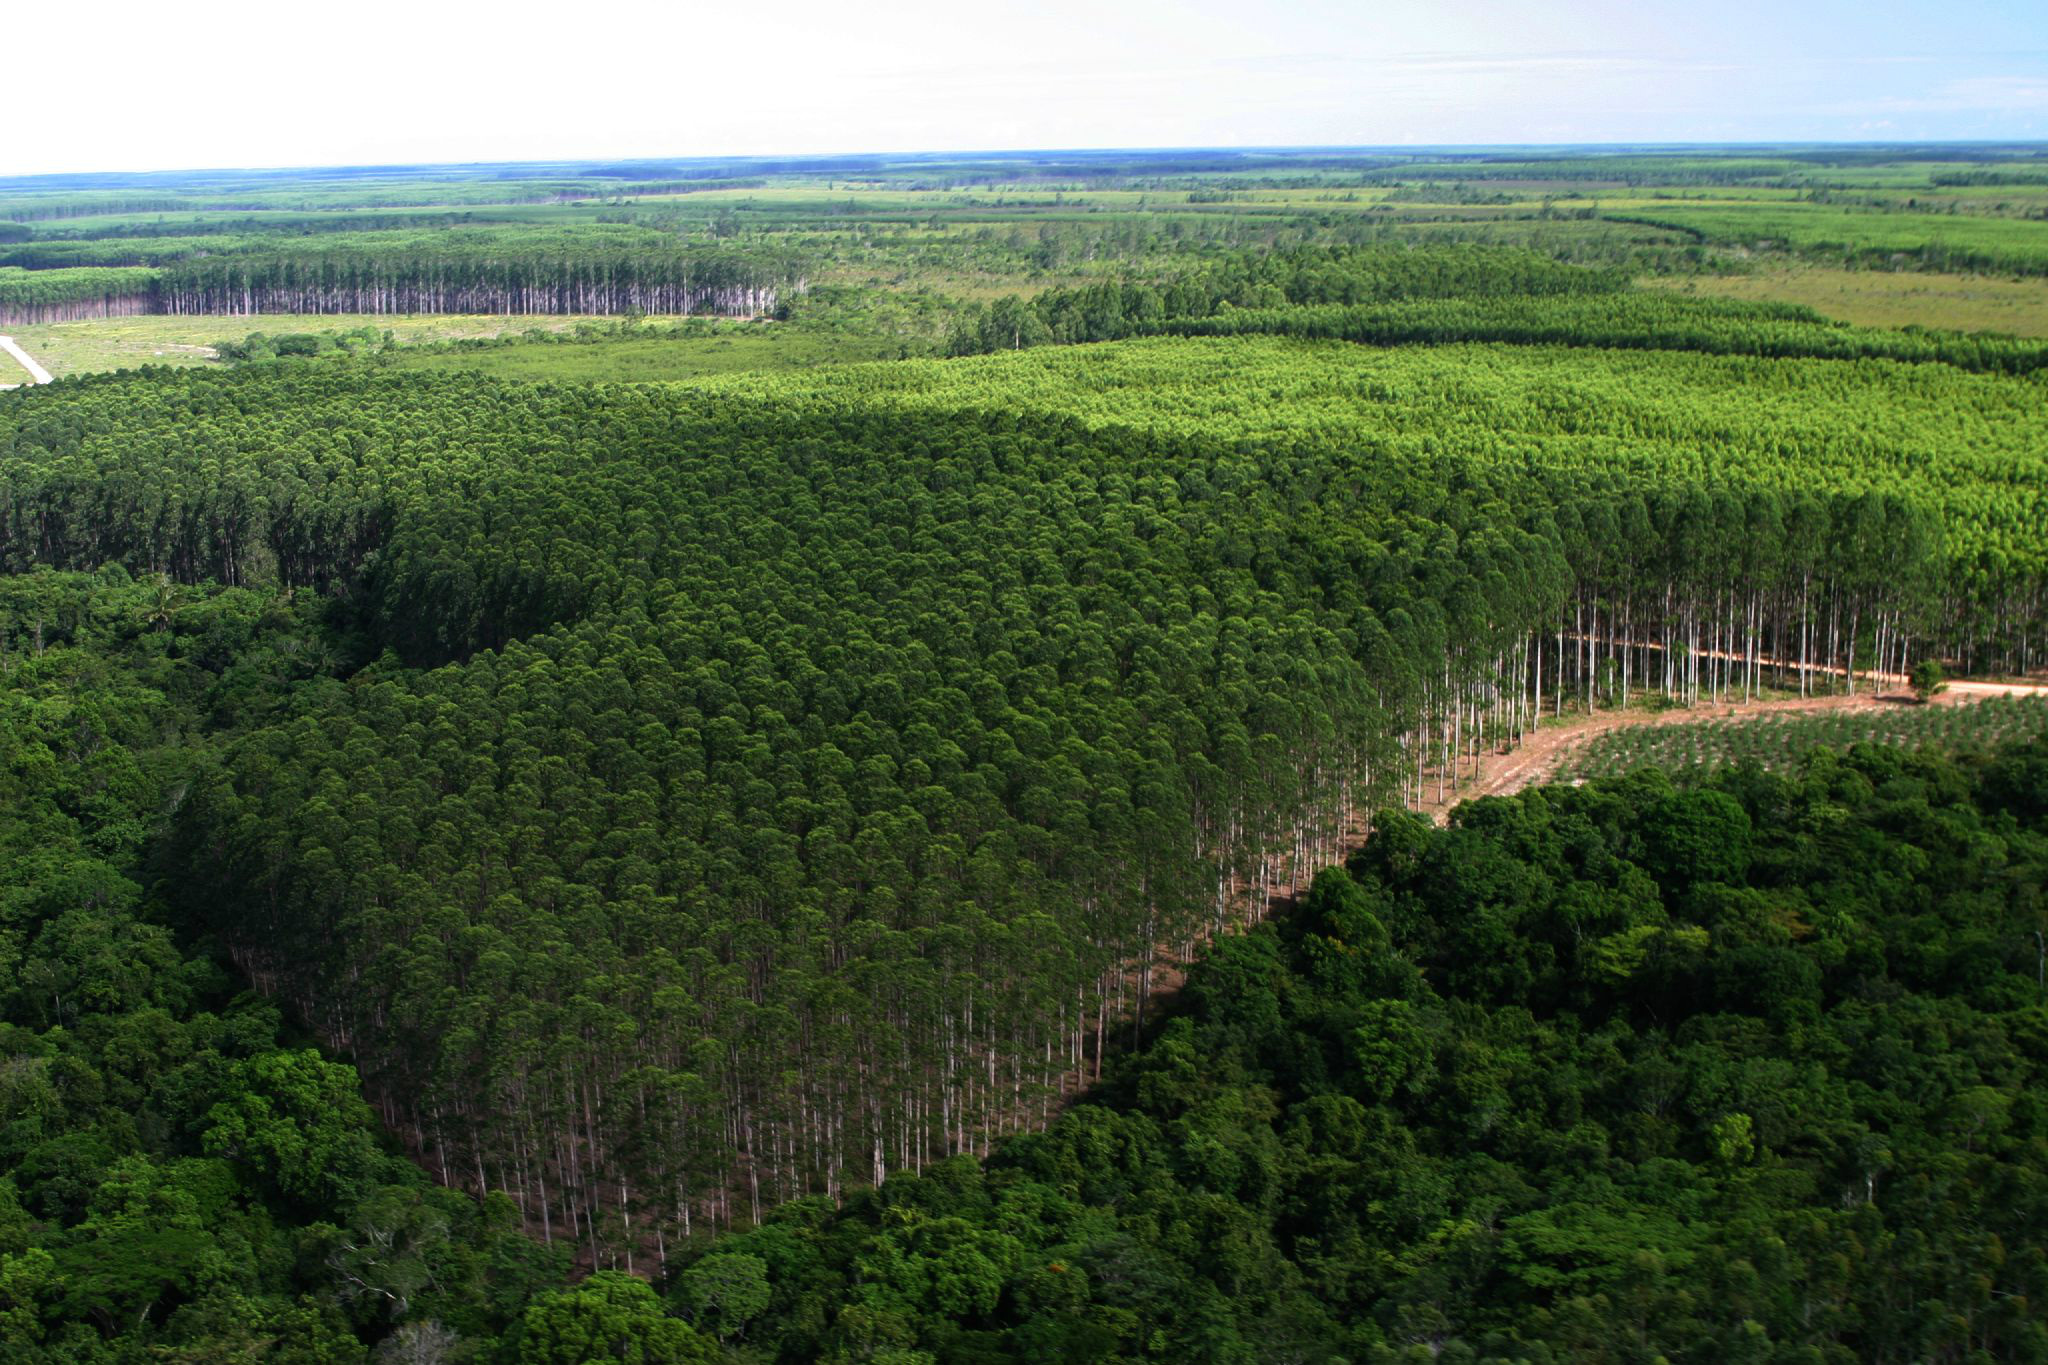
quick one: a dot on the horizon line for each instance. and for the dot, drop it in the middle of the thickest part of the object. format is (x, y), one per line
(2020, 145)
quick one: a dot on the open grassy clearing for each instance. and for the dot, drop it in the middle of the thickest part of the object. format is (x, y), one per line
(11, 372)
(1882, 298)
(96, 345)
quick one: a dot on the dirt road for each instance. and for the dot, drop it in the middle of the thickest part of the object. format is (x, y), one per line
(1548, 751)
(36, 373)
(1541, 756)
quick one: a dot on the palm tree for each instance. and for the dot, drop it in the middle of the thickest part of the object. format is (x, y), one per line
(163, 604)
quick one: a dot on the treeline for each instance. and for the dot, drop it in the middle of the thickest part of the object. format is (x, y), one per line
(1626, 170)
(815, 783)
(450, 232)
(2014, 175)
(1392, 296)
(38, 208)
(607, 269)
(129, 242)
(1598, 1074)
(725, 284)
(1639, 320)
(602, 283)
(140, 248)
(32, 296)
(1858, 240)
(1268, 280)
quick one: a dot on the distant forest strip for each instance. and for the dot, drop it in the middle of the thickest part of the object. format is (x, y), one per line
(1637, 321)
(1390, 296)
(729, 284)
(31, 296)
(1921, 241)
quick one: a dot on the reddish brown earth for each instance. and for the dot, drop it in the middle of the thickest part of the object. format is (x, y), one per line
(1548, 750)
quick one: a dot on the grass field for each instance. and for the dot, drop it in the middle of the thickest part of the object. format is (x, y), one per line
(11, 371)
(1883, 298)
(1956, 239)
(95, 345)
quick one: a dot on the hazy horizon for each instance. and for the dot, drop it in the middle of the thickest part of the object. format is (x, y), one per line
(947, 154)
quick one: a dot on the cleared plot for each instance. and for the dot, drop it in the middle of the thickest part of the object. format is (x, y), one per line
(96, 345)
(1780, 741)
(1886, 298)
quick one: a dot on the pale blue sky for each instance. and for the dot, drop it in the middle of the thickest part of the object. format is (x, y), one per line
(263, 82)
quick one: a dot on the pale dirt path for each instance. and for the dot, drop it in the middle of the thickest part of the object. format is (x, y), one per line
(1547, 751)
(36, 373)
(1543, 753)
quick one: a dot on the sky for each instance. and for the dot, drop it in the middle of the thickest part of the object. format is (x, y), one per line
(122, 85)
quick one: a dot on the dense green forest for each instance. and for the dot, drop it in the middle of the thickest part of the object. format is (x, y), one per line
(1611, 1073)
(930, 861)
(183, 1176)
(1748, 1072)
(761, 728)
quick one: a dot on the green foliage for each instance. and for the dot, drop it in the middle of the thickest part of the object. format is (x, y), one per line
(608, 1317)
(1697, 837)
(1728, 1151)
(260, 346)
(168, 1162)
(1220, 292)
(298, 1121)
(848, 734)
(724, 1293)
(1639, 321)
(1929, 240)
(31, 295)
(641, 353)
(730, 809)
(455, 269)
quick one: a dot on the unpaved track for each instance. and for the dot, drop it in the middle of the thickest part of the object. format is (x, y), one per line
(1543, 753)
(36, 373)
(1547, 751)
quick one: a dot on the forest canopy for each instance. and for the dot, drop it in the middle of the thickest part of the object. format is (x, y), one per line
(936, 861)
(876, 724)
